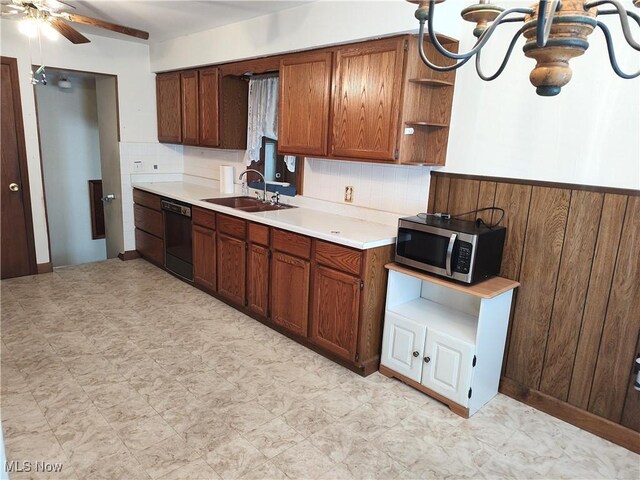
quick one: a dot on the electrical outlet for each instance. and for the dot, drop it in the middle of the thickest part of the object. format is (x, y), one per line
(348, 194)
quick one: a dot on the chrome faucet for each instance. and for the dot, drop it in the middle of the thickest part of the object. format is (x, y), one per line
(264, 182)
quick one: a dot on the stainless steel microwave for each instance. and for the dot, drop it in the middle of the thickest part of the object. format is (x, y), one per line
(455, 249)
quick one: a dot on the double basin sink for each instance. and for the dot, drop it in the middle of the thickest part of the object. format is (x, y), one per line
(247, 204)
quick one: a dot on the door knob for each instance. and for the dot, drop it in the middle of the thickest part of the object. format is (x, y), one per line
(427, 359)
(416, 354)
(14, 187)
(108, 198)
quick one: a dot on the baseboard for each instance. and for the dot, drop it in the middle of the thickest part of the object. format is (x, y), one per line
(128, 255)
(453, 406)
(602, 427)
(45, 268)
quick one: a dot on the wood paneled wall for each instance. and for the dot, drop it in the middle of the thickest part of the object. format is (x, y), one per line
(575, 324)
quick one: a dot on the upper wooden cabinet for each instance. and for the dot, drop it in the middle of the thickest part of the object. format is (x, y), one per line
(190, 120)
(169, 107)
(208, 107)
(385, 104)
(366, 100)
(203, 108)
(305, 92)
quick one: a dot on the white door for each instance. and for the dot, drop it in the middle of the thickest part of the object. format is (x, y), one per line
(106, 99)
(402, 345)
(448, 366)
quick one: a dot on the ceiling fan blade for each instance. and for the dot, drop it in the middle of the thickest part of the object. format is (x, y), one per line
(72, 17)
(57, 5)
(68, 32)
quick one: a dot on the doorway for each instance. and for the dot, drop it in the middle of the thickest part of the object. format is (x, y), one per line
(16, 229)
(79, 145)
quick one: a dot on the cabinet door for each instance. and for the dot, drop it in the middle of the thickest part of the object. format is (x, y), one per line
(403, 345)
(303, 116)
(168, 107)
(366, 100)
(231, 268)
(150, 247)
(258, 279)
(208, 107)
(290, 292)
(449, 366)
(204, 257)
(190, 117)
(335, 311)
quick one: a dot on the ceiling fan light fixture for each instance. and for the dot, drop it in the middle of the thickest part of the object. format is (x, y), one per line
(28, 27)
(51, 33)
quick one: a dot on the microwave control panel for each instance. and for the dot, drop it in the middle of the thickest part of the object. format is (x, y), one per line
(463, 262)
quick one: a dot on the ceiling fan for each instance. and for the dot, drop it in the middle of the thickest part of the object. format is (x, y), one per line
(52, 15)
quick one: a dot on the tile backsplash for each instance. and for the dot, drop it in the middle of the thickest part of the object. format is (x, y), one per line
(151, 158)
(397, 189)
(205, 162)
(391, 188)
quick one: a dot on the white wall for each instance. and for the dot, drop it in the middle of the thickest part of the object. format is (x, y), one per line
(136, 95)
(311, 25)
(70, 157)
(588, 134)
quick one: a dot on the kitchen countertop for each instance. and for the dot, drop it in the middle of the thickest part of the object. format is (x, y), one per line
(350, 231)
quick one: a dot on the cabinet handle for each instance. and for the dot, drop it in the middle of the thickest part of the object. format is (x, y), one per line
(416, 354)
(427, 359)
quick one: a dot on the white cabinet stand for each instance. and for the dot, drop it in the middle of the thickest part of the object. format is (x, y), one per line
(446, 339)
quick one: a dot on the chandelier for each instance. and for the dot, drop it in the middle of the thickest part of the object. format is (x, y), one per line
(555, 32)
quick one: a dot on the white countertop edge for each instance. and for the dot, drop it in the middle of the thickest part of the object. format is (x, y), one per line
(264, 217)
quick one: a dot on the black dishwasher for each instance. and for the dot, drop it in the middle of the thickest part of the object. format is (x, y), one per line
(178, 254)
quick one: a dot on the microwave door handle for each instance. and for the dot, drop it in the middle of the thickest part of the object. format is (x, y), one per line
(452, 241)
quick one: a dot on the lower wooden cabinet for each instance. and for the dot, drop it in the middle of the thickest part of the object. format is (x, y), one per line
(204, 257)
(149, 224)
(231, 268)
(258, 279)
(150, 246)
(336, 311)
(290, 292)
(327, 296)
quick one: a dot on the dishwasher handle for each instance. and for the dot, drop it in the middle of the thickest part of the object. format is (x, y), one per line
(174, 207)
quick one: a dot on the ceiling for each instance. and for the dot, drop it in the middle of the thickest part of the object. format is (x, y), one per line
(170, 19)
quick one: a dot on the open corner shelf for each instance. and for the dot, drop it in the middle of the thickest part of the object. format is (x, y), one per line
(432, 82)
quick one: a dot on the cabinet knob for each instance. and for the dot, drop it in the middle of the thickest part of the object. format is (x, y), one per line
(416, 354)
(427, 359)
(14, 187)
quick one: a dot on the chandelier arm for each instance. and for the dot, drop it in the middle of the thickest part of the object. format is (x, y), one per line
(612, 55)
(634, 16)
(544, 23)
(504, 61)
(427, 62)
(624, 21)
(513, 20)
(484, 38)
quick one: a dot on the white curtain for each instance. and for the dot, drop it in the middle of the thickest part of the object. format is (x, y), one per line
(263, 115)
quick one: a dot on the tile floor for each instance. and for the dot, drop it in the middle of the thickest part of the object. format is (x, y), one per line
(118, 370)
